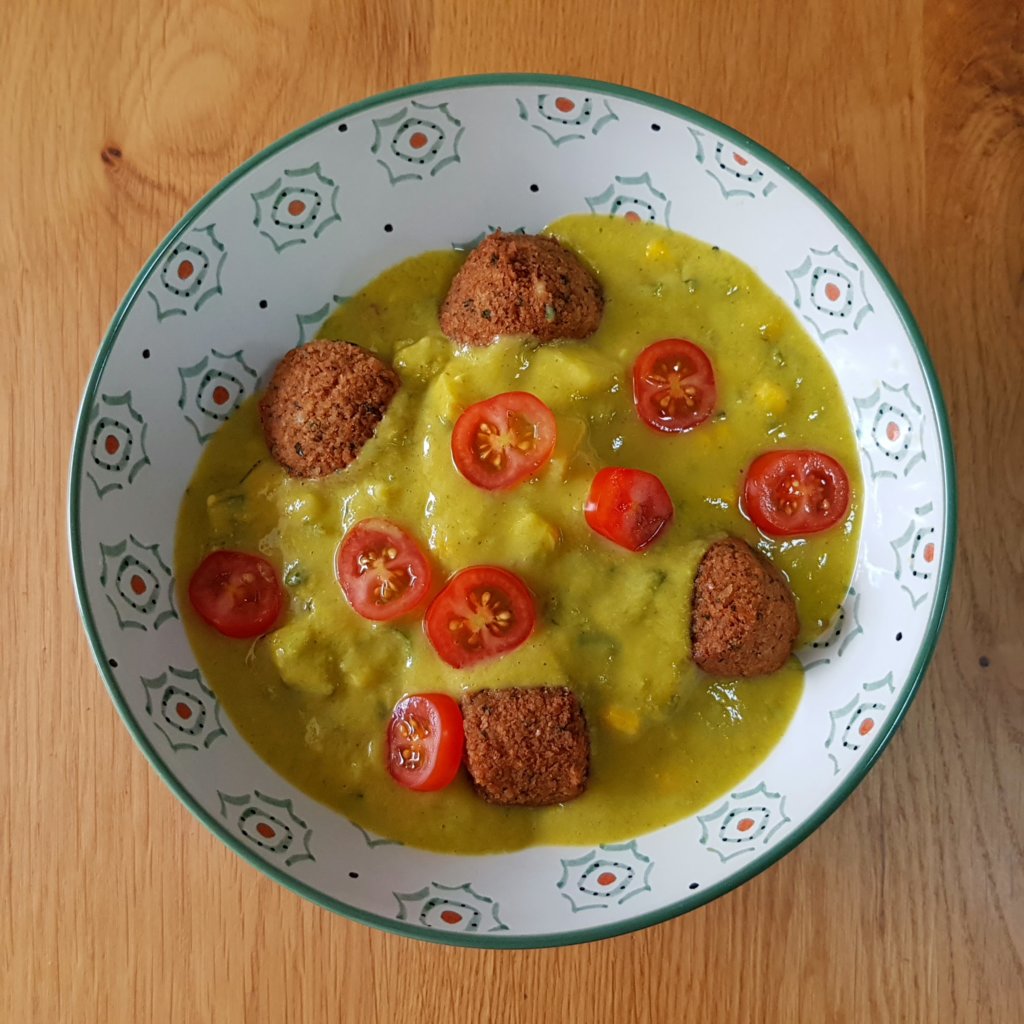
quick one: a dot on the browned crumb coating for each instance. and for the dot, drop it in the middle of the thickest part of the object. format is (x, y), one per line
(323, 404)
(744, 619)
(521, 284)
(526, 746)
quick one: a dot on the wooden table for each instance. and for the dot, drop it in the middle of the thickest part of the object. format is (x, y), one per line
(116, 905)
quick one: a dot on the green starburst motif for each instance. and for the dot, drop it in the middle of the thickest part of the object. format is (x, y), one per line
(634, 198)
(604, 877)
(916, 555)
(297, 207)
(137, 583)
(565, 117)
(269, 824)
(734, 172)
(890, 428)
(831, 292)
(417, 141)
(852, 725)
(117, 445)
(189, 275)
(213, 388)
(450, 907)
(183, 708)
(745, 823)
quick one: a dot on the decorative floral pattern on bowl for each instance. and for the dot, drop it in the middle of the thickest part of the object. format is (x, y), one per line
(297, 207)
(270, 824)
(634, 198)
(212, 389)
(189, 274)
(137, 584)
(117, 443)
(184, 709)
(417, 141)
(830, 292)
(607, 876)
(450, 907)
(732, 169)
(743, 823)
(565, 118)
(257, 266)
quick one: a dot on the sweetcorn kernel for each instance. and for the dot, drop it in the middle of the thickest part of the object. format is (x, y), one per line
(621, 719)
(657, 251)
(772, 398)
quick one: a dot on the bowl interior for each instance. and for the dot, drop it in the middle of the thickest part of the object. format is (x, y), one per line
(254, 269)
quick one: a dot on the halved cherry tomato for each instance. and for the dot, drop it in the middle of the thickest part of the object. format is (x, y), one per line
(382, 570)
(674, 385)
(425, 741)
(483, 612)
(791, 492)
(236, 593)
(628, 506)
(504, 440)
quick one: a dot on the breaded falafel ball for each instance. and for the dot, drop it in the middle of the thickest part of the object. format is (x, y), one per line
(521, 284)
(744, 620)
(323, 404)
(526, 746)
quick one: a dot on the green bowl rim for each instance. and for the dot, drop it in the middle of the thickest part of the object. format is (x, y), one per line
(805, 828)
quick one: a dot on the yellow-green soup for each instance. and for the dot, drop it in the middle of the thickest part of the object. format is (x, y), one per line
(314, 696)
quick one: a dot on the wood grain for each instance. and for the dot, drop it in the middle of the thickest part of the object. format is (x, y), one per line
(116, 905)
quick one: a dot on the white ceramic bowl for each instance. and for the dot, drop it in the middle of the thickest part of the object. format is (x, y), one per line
(254, 268)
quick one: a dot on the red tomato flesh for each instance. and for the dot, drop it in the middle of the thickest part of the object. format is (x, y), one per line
(674, 386)
(504, 440)
(425, 741)
(482, 613)
(236, 593)
(789, 493)
(382, 570)
(628, 506)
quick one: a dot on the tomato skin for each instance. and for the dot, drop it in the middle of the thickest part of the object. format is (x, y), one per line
(789, 493)
(628, 506)
(236, 593)
(482, 613)
(504, 440)
(674, 386)
(382, 571)
(425, 741)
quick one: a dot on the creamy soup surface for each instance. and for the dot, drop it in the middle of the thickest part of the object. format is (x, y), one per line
(314, 696)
